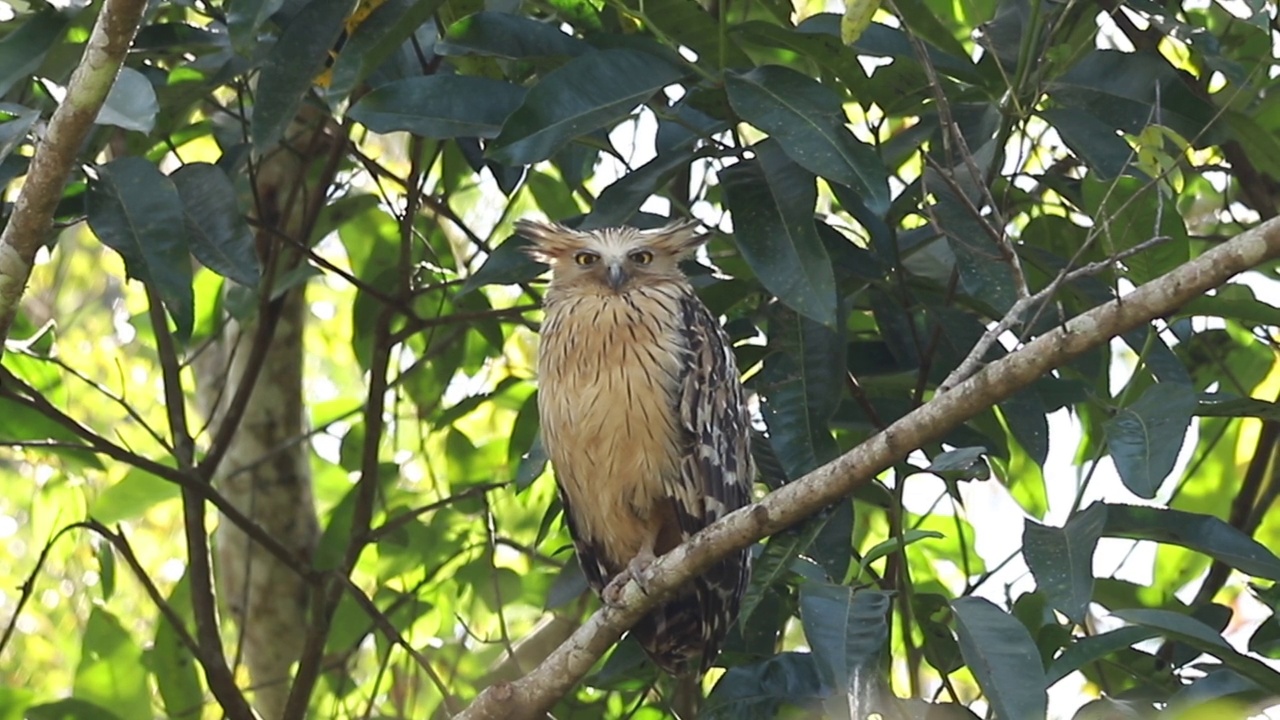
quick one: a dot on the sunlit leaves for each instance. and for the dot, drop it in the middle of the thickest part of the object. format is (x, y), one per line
(111, 673)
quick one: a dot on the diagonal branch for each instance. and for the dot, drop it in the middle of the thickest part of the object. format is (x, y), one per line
(532, 695)
(42, 189)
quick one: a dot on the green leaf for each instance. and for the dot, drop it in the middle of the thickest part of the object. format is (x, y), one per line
(374, 40)
(1061, 559)
(14, 129)
(70, 709)
(772, 201)
(774, 563)
(895, 544)
(1091, 649)
(440, 106)
(1131, 90)
(220, 237)
(131, 104)
(136, 211)
(110, 673)
(1146, 437)
(847, 629)
(1130, 211)
(825, 50)
(800, 386)
(291, 67)
(619, 202)
(760, 690)
(1202, 533)
(23, 49)
(687, 23)
(508, 264)
(504, 35)
(1096, 142)
(1191, 631)
(173, 665)
(106, 569)
(1225, 405)
(590, 92)
(1028, 421)
(244, 17)
(1002, 657)
(808, 121)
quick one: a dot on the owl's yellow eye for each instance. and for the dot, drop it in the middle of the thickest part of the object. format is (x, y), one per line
(586, 258)
(641, 257)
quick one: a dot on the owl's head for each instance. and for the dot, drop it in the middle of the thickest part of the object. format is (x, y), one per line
(611, 259)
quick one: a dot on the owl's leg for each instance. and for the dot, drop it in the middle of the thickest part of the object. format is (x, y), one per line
(637, 569)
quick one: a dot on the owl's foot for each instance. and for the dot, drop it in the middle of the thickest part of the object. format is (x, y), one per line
(638, 570)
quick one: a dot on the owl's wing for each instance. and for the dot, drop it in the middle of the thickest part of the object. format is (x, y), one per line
(716, 469)
(716, 472)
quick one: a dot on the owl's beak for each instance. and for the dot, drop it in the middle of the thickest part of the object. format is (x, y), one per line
(615, 276)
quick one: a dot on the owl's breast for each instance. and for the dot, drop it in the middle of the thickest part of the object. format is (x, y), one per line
(609, 374)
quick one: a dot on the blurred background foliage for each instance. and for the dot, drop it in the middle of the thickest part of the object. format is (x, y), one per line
(1096, 546)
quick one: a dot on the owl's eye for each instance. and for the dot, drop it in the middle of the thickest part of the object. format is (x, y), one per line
(641, 257)
(586, 258)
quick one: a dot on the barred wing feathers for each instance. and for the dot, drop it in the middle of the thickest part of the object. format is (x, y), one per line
(716, 472)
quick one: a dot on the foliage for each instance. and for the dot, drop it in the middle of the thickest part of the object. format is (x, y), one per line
(875, 208)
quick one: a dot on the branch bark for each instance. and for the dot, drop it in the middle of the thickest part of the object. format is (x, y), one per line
(47, 176)
(532, 695)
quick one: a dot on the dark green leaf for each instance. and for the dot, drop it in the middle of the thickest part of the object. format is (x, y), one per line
(772, 201)
(440, 106)
(110, 673)
(590, 92)
(568, 585)
(800, 386)
(687, 23)
(621, 200)
(1130, 91)
(106, 569)
(1061, 559)
(1096, 142)
(219, 236)
(500, 34)
(1028, 420)
(1191, 631)
(131, 104)
(1091, 649)
(136, 211)
(1129, 211)
(1202, 533)
(1146, 437)
(746, 692)
(291, 67)
(774, 562)
(14, 129)
(1224, 405)
(808, 121)
(825, 50)
(1002, 657)
(69, 709)
(380, 35)
(846, 628)
(23, 49)
(507, 265)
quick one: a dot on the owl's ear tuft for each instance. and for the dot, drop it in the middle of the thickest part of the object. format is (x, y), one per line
(680, 239)
(550, 240)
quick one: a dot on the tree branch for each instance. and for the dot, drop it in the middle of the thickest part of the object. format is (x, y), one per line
(42, 189)
(532, 695)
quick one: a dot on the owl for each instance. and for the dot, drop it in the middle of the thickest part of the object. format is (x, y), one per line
(644, 420)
